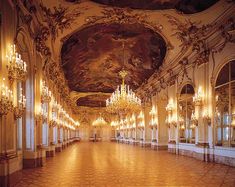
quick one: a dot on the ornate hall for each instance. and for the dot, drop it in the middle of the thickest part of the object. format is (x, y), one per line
(117, 93)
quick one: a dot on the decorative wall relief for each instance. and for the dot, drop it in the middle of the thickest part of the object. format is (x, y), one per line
(183, 75)
(59, 19)
(41, 36)
(227, 35)
(188, 32)
(29, 5)
(123, 16)
(172, 77)
(163, 83)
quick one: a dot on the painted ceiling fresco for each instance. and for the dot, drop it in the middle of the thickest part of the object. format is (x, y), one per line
(92, 57)
(95, 100)
(185, 6)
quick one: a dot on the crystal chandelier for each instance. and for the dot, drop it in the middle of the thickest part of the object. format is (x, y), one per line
(123, 100)
(99, 121)
(17, 68)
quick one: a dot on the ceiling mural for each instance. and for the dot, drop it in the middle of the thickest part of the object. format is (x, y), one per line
(185, 6)
(94, 100)
(92, 57)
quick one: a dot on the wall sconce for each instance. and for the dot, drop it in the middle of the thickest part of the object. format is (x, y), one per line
(21, 106)
(6, 102)
(114, 124)
(141, 125)
(58, 122)
(233, 120)
(52, 123)
(45, 93)
(77, 123)
(174, 123)
(141, 115)
(153, 123)
(133, 126)
(153, 111)
(39, 114)
(206, 117)
(167, 122)
(141, 120)
(192, 126)
(194, 119)
(197, 99)
(154, 120)
(181, 120)
(170, 106)
(17, 68)
(171, 120)
(182, 127)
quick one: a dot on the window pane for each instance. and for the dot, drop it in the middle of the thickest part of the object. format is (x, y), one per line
(19, 133)
(219, 137)
(233, 70)
(233, 113)
(225, 134)
(55, 135)
(186, 108)
(233, 131)
(233, 98)
(61, 135)
(187, 89)
(182, 114)
(222, 100)
(222, 114)
(44, 134)
(223, 76)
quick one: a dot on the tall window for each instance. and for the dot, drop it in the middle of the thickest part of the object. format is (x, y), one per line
(45, 124)
(225, 106)
(61, 135)
(186, 108)
(55, 135)
(19, 120)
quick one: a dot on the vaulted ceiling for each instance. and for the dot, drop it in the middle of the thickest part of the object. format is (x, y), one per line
(93, 56)
(88, 37)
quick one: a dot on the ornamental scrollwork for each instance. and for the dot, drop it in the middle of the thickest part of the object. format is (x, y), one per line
(172, 77)
(40, 39)
(123, 16)
(190, 33)
(227, 35)
(184, 73)
(59, 19)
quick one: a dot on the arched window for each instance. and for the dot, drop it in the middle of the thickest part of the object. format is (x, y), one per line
(19, 121)
(54, 117)
(45, 125)
(225, 105)
(186, 108)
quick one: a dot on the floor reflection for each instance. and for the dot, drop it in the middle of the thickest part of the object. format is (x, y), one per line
(111, 164)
